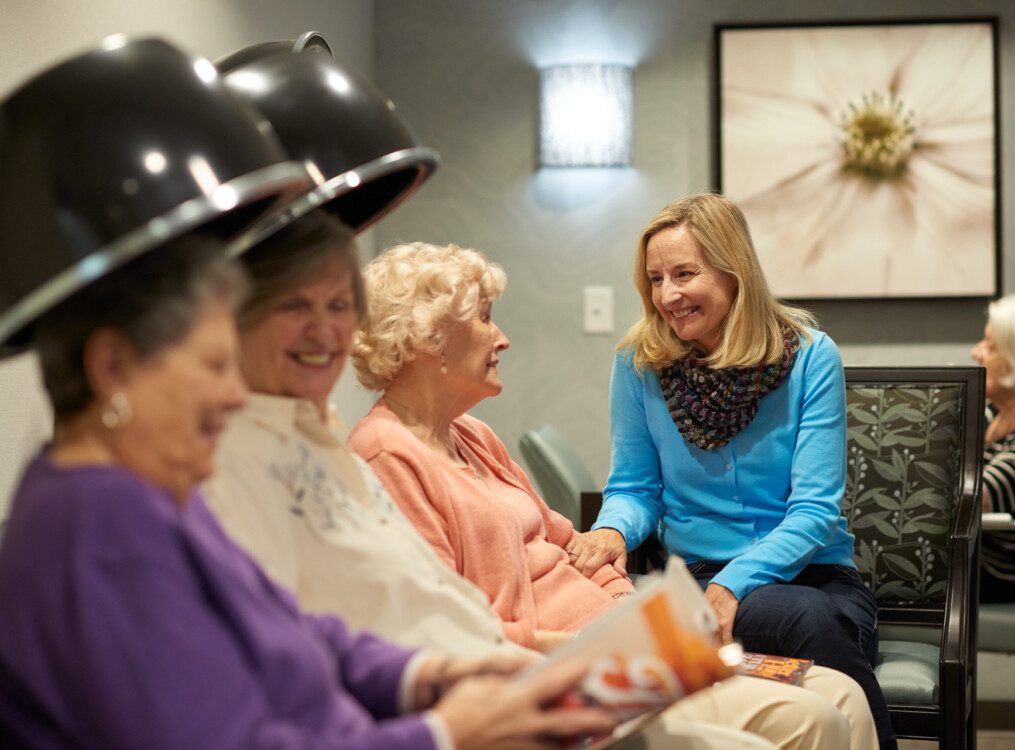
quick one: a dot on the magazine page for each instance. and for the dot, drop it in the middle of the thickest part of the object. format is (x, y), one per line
(651, 649)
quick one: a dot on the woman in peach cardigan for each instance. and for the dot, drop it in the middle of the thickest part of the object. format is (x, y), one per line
(447, 470)
(429, 342)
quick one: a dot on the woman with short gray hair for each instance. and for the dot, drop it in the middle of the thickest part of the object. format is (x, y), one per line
(996, 352)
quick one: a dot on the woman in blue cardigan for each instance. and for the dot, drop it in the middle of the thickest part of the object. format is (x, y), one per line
(728, 430)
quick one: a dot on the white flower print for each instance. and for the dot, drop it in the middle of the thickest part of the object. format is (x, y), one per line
(863, 157)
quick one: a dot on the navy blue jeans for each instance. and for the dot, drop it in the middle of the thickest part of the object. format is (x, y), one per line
(826, 614)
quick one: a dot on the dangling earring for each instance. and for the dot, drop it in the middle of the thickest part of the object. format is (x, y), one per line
(444, 365)
(118, 412)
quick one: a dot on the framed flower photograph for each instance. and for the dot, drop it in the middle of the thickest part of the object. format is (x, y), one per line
(864, 155)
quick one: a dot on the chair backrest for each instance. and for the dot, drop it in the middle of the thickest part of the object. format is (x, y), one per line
(914, 450)
(558, 470)
(914, 459)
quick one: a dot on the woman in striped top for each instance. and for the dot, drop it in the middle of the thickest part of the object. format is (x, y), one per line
(996, 353)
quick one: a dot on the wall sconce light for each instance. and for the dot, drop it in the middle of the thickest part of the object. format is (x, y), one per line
(585, 116)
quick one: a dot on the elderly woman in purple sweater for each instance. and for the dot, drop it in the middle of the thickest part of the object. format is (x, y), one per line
(129, 619)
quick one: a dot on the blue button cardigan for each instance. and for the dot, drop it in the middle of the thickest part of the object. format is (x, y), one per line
(768, 501)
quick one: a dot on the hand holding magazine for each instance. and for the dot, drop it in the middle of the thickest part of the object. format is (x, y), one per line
(650, 650)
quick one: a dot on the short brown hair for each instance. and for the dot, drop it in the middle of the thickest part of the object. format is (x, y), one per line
(153, 301)
(293, 256)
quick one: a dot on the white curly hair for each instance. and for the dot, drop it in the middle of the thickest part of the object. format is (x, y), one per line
(413, 292)
(1001, 314)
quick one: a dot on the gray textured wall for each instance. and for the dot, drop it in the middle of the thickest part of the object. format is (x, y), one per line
(465, 74)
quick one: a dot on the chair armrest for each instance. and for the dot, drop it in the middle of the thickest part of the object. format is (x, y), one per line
(958, 634)
(957, 662)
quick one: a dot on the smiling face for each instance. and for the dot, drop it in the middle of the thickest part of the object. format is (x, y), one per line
(181, 398)
(300, 347)
(693, 297)
(471, 355)
(987, 355)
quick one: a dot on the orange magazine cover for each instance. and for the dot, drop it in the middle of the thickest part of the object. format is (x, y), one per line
(650, 650)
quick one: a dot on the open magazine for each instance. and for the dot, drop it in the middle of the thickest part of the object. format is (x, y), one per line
(651, 649)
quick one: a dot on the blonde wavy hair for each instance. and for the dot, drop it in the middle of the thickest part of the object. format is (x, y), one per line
(413, 292)
(752, 331)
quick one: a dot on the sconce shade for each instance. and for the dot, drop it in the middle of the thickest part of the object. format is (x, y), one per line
(585, 116)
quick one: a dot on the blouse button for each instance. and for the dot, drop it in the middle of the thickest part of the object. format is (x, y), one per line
(736, 497)
(729, 467)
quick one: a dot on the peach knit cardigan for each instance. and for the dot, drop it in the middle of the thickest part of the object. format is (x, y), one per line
(513, 552)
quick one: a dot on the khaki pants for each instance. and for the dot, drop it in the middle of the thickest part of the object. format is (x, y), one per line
(828, 711)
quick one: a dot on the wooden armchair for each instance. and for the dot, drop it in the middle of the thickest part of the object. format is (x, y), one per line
(914, 466)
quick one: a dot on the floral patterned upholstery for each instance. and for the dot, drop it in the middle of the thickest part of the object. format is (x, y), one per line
(902, 485)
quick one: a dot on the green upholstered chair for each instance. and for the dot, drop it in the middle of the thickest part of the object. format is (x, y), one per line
(995, 665)
(566, 484)
(914, 465)
(558, 470)
(997, 628)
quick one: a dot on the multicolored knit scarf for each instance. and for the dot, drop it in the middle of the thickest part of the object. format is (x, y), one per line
(711, 407)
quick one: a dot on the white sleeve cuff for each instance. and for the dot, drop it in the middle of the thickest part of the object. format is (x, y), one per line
(408, 679)
(441, 737)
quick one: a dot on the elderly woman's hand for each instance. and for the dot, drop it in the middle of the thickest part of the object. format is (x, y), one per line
(439, 674)
(498, 713)
(594, 549)
(725, 606)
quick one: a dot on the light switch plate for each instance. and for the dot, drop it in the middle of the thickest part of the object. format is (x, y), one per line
(598, 311)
